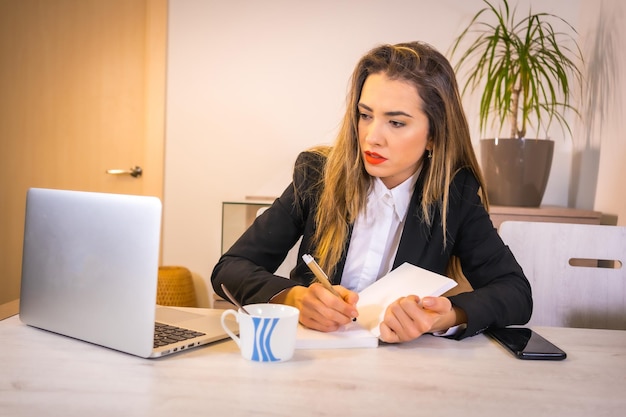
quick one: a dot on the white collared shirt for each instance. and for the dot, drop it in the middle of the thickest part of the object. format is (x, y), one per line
(376, 234)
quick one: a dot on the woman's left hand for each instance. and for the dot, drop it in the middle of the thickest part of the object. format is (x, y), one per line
(407, 318)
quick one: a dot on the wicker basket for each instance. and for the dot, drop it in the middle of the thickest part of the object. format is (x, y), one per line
(175, 287)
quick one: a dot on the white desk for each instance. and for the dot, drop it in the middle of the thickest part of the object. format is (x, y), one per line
(43, 374)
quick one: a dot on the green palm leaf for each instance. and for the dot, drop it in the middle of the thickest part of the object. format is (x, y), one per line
(523, 67)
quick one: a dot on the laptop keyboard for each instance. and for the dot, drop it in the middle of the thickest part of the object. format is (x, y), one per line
(165, 334)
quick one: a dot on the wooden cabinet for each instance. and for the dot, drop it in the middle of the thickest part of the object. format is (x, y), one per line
(237, 216)
(550, 214)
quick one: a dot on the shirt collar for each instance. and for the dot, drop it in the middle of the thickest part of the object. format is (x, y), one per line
(401, 194)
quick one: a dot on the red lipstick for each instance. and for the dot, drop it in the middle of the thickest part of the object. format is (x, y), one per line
(373, 158)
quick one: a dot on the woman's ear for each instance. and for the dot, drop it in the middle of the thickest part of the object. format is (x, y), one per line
(429, 148)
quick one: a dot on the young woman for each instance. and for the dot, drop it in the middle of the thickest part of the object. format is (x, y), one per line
(401, 184)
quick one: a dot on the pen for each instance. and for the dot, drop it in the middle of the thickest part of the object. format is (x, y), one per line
(320, 276)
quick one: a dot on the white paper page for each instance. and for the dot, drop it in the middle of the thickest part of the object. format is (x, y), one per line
(405, 280)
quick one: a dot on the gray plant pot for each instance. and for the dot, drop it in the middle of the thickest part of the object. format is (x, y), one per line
(516, 170)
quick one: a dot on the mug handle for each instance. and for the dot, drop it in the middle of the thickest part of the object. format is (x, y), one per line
(227, 329)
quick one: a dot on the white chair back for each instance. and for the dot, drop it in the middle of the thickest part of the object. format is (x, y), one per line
(577, 272)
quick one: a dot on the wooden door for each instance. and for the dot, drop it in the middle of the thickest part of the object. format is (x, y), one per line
(82, 85)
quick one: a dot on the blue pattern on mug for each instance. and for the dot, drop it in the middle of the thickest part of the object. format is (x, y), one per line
(262, 350)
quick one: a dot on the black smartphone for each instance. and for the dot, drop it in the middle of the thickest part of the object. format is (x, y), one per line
(526, 344)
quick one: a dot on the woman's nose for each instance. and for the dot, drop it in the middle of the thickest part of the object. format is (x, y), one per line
(374, 133)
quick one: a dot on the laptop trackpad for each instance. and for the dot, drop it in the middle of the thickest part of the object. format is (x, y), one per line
(174, 316)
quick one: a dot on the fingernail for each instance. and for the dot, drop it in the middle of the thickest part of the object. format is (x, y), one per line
(428, 302)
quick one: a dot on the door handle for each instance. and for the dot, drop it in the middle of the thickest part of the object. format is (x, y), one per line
(133, 172)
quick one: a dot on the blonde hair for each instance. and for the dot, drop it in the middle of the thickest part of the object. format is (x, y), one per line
(345, 181)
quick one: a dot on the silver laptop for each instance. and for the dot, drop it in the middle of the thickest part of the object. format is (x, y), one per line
(90, 271)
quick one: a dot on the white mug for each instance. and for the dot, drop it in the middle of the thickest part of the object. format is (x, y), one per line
(267, 334)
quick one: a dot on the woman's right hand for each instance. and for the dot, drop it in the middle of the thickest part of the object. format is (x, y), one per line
(319, 308)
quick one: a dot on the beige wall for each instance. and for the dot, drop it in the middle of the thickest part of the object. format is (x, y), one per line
(251, 84)
(604, 40)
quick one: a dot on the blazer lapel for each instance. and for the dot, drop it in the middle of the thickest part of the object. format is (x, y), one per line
(416, 233)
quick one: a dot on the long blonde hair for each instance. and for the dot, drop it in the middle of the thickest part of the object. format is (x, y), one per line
(345, 180)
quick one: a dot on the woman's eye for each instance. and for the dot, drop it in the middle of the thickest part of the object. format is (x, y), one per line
(364, 116)
(395, 123)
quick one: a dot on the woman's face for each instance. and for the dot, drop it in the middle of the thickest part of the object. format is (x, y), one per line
(393, 129)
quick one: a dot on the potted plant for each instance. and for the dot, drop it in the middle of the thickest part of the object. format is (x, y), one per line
(524, 67)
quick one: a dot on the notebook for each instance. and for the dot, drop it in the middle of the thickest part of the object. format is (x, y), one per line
(90, 272)
(373, 301)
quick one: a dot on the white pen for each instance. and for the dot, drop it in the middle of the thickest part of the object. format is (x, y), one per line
(320, 275)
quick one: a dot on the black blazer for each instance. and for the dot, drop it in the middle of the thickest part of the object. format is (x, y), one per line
(501, 296)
